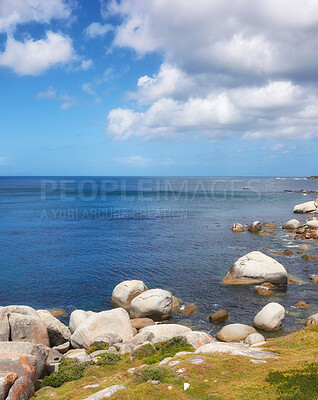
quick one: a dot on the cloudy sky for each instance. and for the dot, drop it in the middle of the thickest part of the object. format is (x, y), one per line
(159, 87)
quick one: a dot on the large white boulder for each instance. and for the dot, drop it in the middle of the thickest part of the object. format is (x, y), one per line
(99, 324)
(234, 332)
(255, 268)
(312, 224)
(155, 304)
(308, 207)
(77, 317)
(292, 224)
(270, 317)
(58, 332)
(164, 332)
(125, 292)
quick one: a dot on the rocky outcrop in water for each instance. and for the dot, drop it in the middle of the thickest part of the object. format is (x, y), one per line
(310, 207)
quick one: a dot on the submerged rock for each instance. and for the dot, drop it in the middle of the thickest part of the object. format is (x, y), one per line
(219, 316)
(256, 268)
(256, 226)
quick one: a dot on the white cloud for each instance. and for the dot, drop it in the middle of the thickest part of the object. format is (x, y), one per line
(86, 64)
(87, 87)
(4, 161)
(96, 29)
(229, 69)
(14, 12)
(140, 161)
(32, 57)
(50, 93)
(67, 101)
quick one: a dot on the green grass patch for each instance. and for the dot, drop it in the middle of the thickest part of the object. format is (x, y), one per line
(153, 373)
(95, 346)
(295, 384)
(107, 359)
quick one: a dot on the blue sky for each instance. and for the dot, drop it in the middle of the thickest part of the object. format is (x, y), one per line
(149, 87)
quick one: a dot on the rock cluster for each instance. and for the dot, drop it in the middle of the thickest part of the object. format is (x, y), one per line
(310, 207)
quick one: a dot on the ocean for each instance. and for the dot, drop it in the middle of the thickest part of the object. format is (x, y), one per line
(66, 242)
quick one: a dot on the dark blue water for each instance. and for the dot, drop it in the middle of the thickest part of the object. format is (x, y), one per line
(66, 242)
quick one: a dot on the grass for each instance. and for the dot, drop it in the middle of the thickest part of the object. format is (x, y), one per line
(293, 375)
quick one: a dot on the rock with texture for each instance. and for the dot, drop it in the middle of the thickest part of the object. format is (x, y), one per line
(308, 207)
(237, 228)
(197, 338)
(256, 226)
(312, 320)
(4, 328)
(234, 332)
(125, 292)
(7, 379)
(22, 389)
(78, 354)
(255, 268)
(142, 337)
(140, 323)
(155, 304)
(106, 393)
(270, 317)
(235, 349)
(166, 331)
(27, 328)
(58, 332)
(113, 321)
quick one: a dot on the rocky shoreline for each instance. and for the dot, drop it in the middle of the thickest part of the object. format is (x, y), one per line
(34, 344)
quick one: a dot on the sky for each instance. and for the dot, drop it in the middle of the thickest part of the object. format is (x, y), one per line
(158, 87)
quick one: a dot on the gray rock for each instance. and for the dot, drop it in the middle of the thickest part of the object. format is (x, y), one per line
(58, 332)
(14, 349)
(63, 348)
(125, 292)
(24, 365)
(254, 338)
(142, 337)
(173, 363)
(308, 207)
(54, 357)
(196, 360)
(165, 361)
(155, 304)
(28, 328)
(24, 310)
(114, 321)
(312, 224)
(234, 332)
(166, 331)
(77, 317)
(126, 347)
(235, 349)
(255, 268)
(198, 338)
(292, 224)
(106, 393)
(4, 328)
(270, 317)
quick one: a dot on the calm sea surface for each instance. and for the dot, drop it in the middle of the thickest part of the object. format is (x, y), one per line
(66, 242)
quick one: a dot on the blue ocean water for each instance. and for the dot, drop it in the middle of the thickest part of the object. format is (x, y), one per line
(66, 242)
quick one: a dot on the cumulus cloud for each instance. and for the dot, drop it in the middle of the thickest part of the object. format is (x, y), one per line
(33, 57)
(14, 12)
(239, 68)
(95, 29)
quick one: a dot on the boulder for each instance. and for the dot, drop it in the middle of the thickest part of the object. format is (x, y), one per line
(314, 279)
(254, 338)
(28, 328)
(235, 349)
(255, 268)
(142, 337)
(155, 304)
(291, 224)
(312, 224)
(7, 379)
(4, 328)
(302, 304)
(22, 389)
(140, 323)
(256, 226)
(125, 292)
(234, 332)
(54, 357)
(308, 207)
(312, 320)
(77, 317)
(112, 321)
(197, 338)
(58, 332)
(110, 338)
(270, 317)
(237, 228)
(219, 316)
(39, 352)
(63, 348)
(126, 347)
(24, 310)
(21, 364)
(164, 332)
